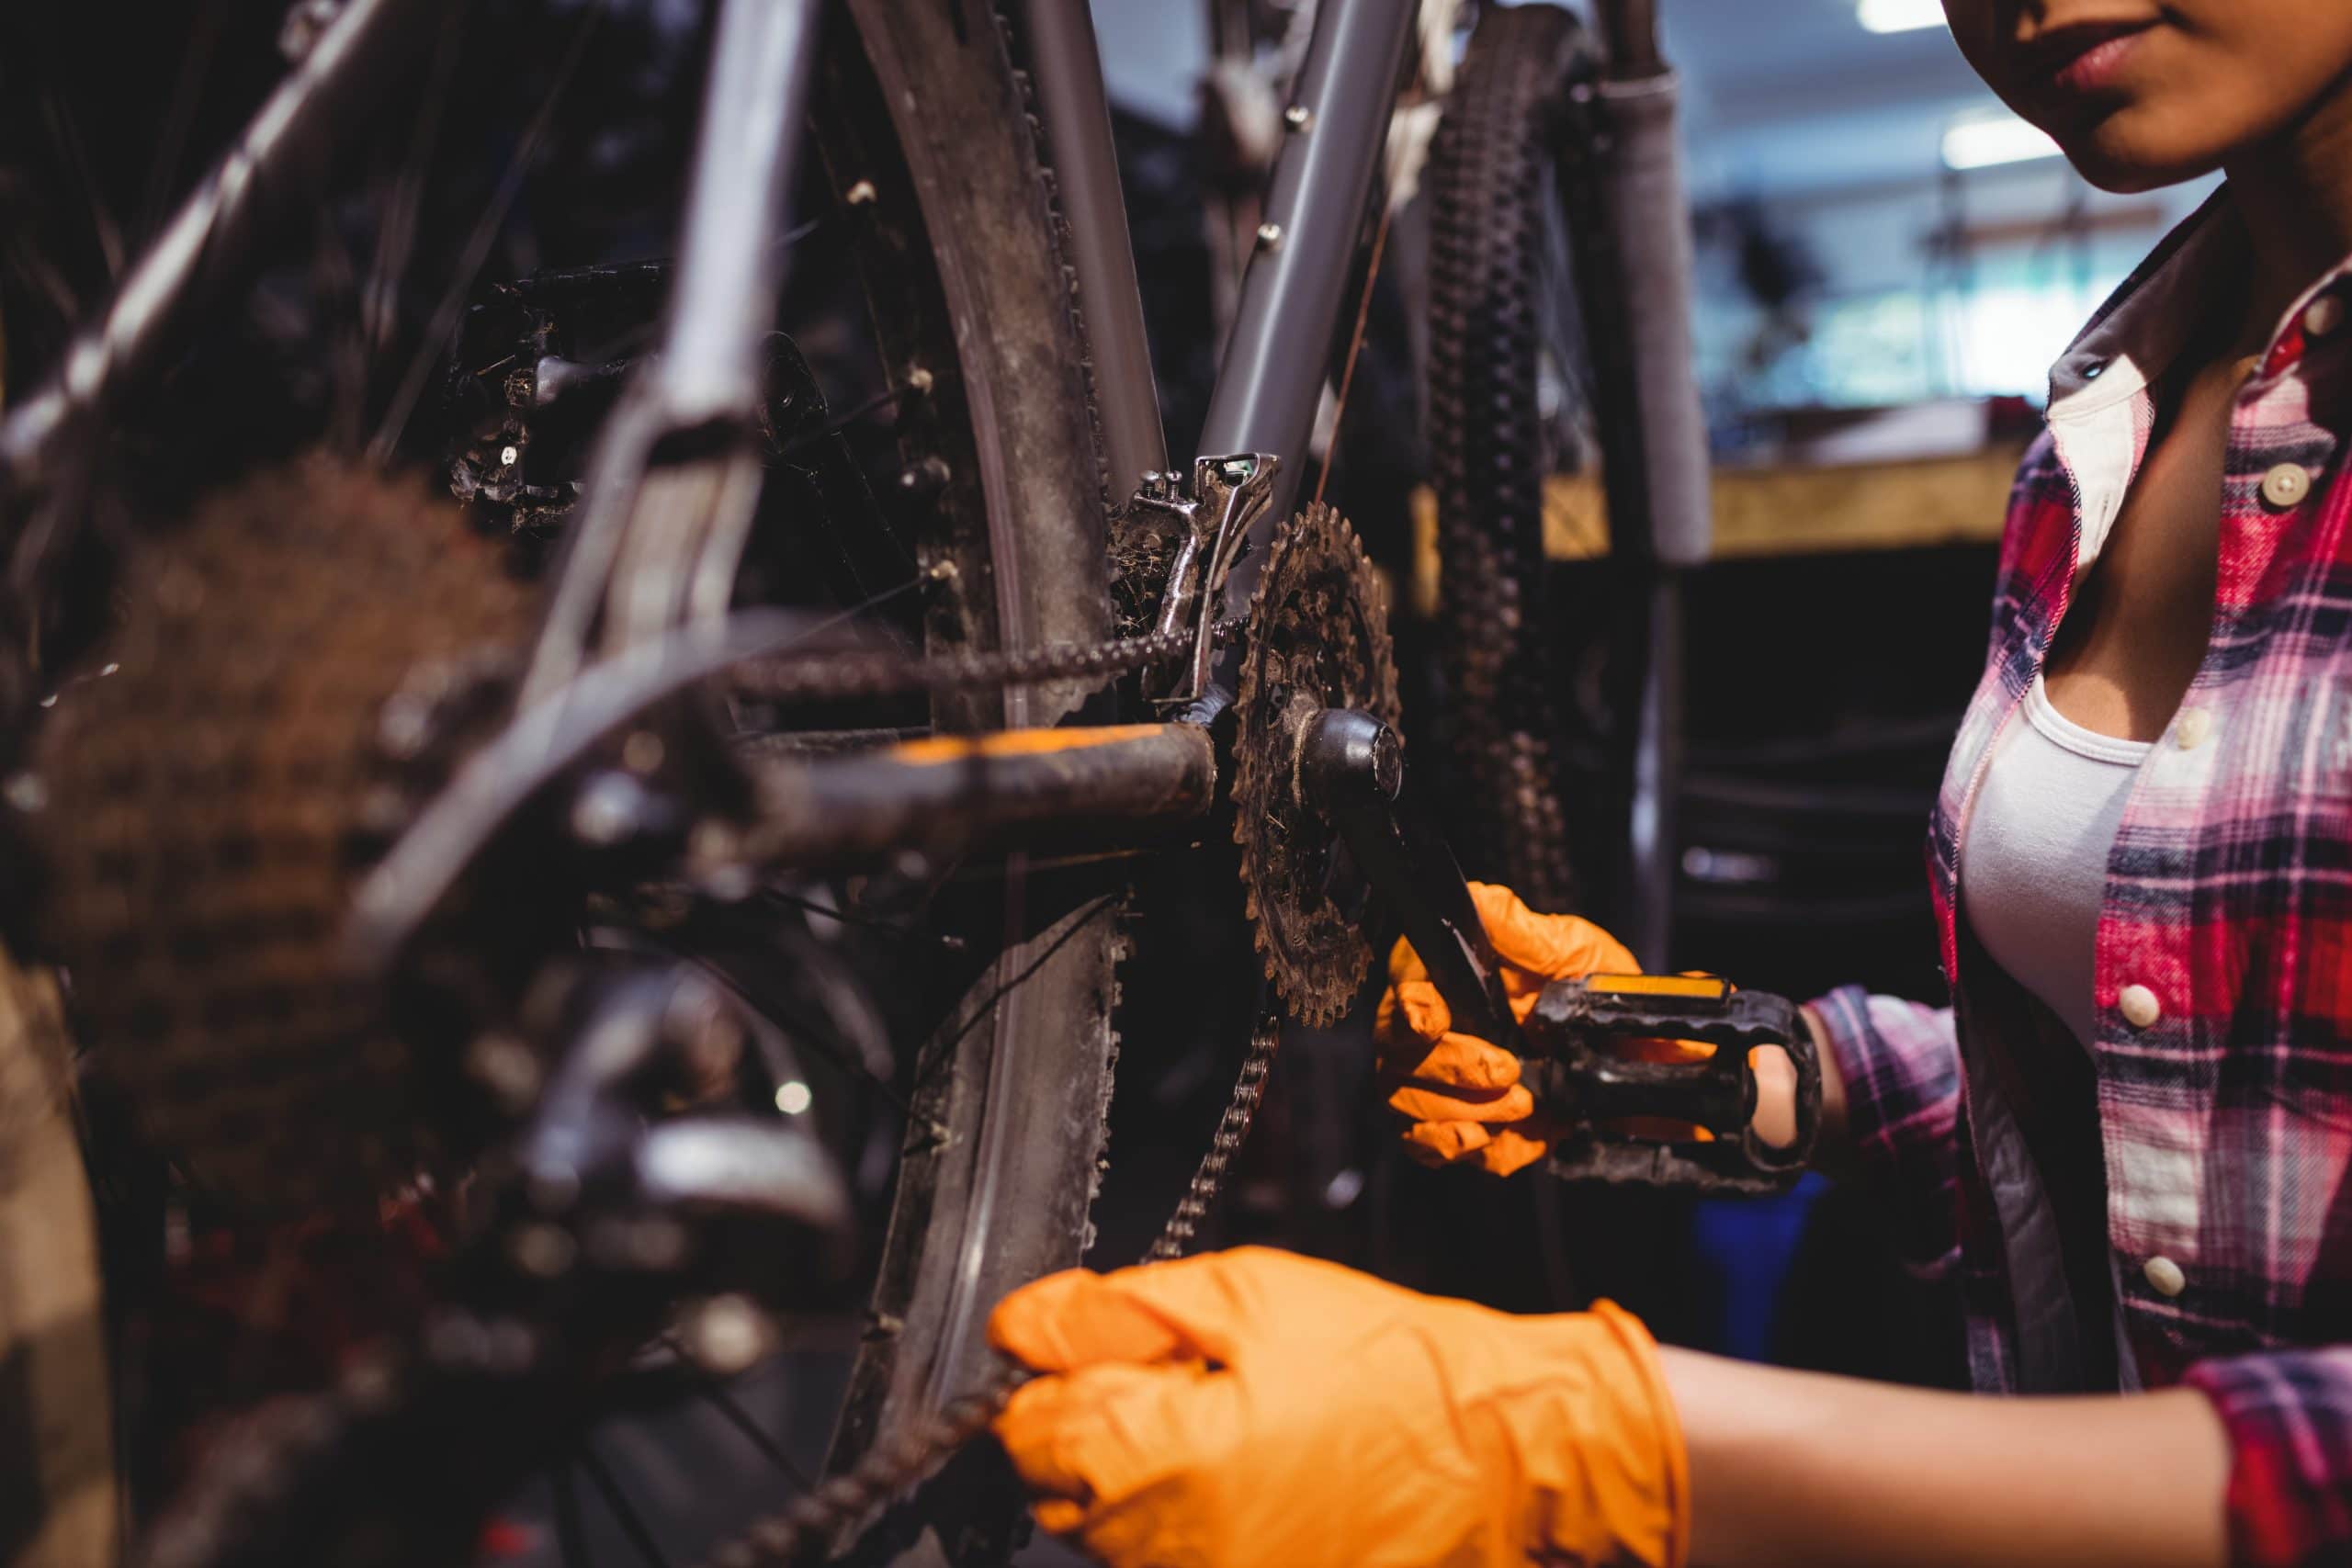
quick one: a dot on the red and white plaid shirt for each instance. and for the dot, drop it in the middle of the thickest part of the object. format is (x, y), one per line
(2200, 1222)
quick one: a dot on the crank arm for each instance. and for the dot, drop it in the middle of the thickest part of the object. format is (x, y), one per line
(1350, 767)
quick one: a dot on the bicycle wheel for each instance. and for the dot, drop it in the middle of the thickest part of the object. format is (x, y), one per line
(975, 518)
(1504, 405)
(1005, 1194)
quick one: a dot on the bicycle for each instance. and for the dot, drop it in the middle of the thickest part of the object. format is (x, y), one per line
(527, 902)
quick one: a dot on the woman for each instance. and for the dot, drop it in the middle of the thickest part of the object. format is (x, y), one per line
(2130, 1137)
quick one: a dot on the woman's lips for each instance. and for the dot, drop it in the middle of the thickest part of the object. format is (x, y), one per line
(2094, 68)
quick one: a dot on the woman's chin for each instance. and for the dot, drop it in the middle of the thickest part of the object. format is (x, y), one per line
(2119, 157)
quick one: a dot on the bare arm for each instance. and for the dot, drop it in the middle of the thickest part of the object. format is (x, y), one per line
(1818, 1471)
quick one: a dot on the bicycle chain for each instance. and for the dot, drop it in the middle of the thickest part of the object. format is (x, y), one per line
(834, 677)
(815, 1517)
(1232, 1132)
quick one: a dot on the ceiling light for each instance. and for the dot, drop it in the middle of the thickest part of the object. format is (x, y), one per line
(1899, 16)
(1980, 141)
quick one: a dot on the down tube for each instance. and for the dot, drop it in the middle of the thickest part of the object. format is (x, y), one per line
(1272, 381)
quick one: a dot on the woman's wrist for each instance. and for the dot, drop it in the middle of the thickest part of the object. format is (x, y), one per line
(1834, 1152)
(1776, 1092)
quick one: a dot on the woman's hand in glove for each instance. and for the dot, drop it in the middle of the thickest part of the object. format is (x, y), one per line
(1462, 1093)
(1252, 1407)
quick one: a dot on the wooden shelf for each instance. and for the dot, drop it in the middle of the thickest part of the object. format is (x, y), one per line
(1781, 511)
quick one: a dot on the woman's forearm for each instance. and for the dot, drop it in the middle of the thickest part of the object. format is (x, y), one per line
(1802, 1469)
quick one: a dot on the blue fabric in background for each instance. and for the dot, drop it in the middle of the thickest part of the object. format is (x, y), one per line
(1745, 1247)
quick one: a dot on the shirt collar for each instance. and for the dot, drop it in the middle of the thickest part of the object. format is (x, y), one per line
(2136, 336)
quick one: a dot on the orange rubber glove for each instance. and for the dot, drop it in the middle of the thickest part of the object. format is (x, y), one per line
(1463, 1095)
(1252, 1409)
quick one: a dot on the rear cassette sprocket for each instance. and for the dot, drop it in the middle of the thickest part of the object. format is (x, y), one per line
(212, 800)
(1317, 639)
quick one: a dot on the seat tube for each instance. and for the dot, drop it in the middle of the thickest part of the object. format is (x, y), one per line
(1276, 359)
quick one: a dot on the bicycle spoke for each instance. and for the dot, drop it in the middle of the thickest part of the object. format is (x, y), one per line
(888, 397)
(727, 1406)
(204, 34)
(821, 1037)
(988, 1006)
(40, 276)
(571, 1539)
(840, 1053)
(380, 303)
(848, 917)
(335, 285)
(502, 201)
(76, 153)
(623, 1512)
(850, 612)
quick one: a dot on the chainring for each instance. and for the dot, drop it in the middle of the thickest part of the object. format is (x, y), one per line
(1317, 639)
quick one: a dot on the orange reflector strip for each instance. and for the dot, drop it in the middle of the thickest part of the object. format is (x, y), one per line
(1014, 743)
(1698, 988)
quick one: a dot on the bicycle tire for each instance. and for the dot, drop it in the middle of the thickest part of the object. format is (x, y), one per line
(1001, 1192)
(965, 281)
(1493, 210)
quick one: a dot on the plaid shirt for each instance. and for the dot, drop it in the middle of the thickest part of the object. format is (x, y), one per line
(2218, 1166)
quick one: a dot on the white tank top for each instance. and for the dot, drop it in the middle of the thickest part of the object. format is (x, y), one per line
(2034, 848)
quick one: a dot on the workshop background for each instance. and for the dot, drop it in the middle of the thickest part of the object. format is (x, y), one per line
(1889, 262)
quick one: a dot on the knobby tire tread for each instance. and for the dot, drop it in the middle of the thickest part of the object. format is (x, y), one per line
(1490, 196)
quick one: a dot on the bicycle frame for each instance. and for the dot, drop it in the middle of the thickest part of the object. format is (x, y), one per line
(677, 462)
(648, 563)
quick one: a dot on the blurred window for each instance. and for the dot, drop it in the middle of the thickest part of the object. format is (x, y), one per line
(1990, 330)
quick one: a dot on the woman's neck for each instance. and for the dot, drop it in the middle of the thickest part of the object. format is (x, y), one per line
(2295, 196)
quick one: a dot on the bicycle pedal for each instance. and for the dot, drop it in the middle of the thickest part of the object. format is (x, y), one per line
(1589, 1072)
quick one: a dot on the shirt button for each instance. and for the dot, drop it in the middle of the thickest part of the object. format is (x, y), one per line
(2191, 730)
(2287, 485)
(2139, 1006)
(2323, 315)
(2164, 1275)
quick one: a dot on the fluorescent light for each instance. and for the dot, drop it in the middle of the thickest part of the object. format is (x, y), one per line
(1899, 16)
(1980, 141)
